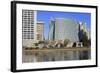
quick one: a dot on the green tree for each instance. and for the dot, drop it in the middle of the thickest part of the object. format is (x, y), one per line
(41, 42)
(84, 39)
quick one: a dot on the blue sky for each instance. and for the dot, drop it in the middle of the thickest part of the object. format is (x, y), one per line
(46, 16)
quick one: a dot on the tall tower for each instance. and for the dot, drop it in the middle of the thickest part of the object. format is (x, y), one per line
(29, 27)
(61, 29)
(83, 30)
(52, 30)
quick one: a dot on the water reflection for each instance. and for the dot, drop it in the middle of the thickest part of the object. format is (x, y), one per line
(54, 55)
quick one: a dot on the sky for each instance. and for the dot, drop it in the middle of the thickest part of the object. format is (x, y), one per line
(46, 16)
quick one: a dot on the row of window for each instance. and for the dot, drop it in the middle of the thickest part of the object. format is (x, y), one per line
(28, 20)
(28, 29)
(27, 24)
(27, 16)
(27, 11)
(27, 32)
(28, 36)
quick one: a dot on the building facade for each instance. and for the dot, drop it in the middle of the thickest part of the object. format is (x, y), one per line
(83, 29)
(40, 31)
(51, 30)
(32, 30)
(28, 24)
(61, 29)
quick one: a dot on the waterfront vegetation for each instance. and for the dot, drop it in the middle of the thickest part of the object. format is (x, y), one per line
(59, 50)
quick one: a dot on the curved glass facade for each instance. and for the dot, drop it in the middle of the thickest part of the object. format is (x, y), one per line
(61, 29)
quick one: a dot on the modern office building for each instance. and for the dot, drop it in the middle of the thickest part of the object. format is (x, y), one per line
(61, 29)
(83, 29)
(32, 30)
(82, 26)
(52, 30)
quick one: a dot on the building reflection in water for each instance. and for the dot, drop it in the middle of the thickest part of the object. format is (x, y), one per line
(55, 55)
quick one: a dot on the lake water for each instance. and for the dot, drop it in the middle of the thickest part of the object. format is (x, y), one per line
(46, 56)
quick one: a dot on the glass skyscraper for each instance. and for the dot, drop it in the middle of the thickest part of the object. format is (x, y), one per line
(61, 29)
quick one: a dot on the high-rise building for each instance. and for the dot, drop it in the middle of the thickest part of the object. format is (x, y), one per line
(32, 30)
(52, 30)
(82, 26)
(27, 24)
(61, 29)
(83, 29)
(40, 30)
